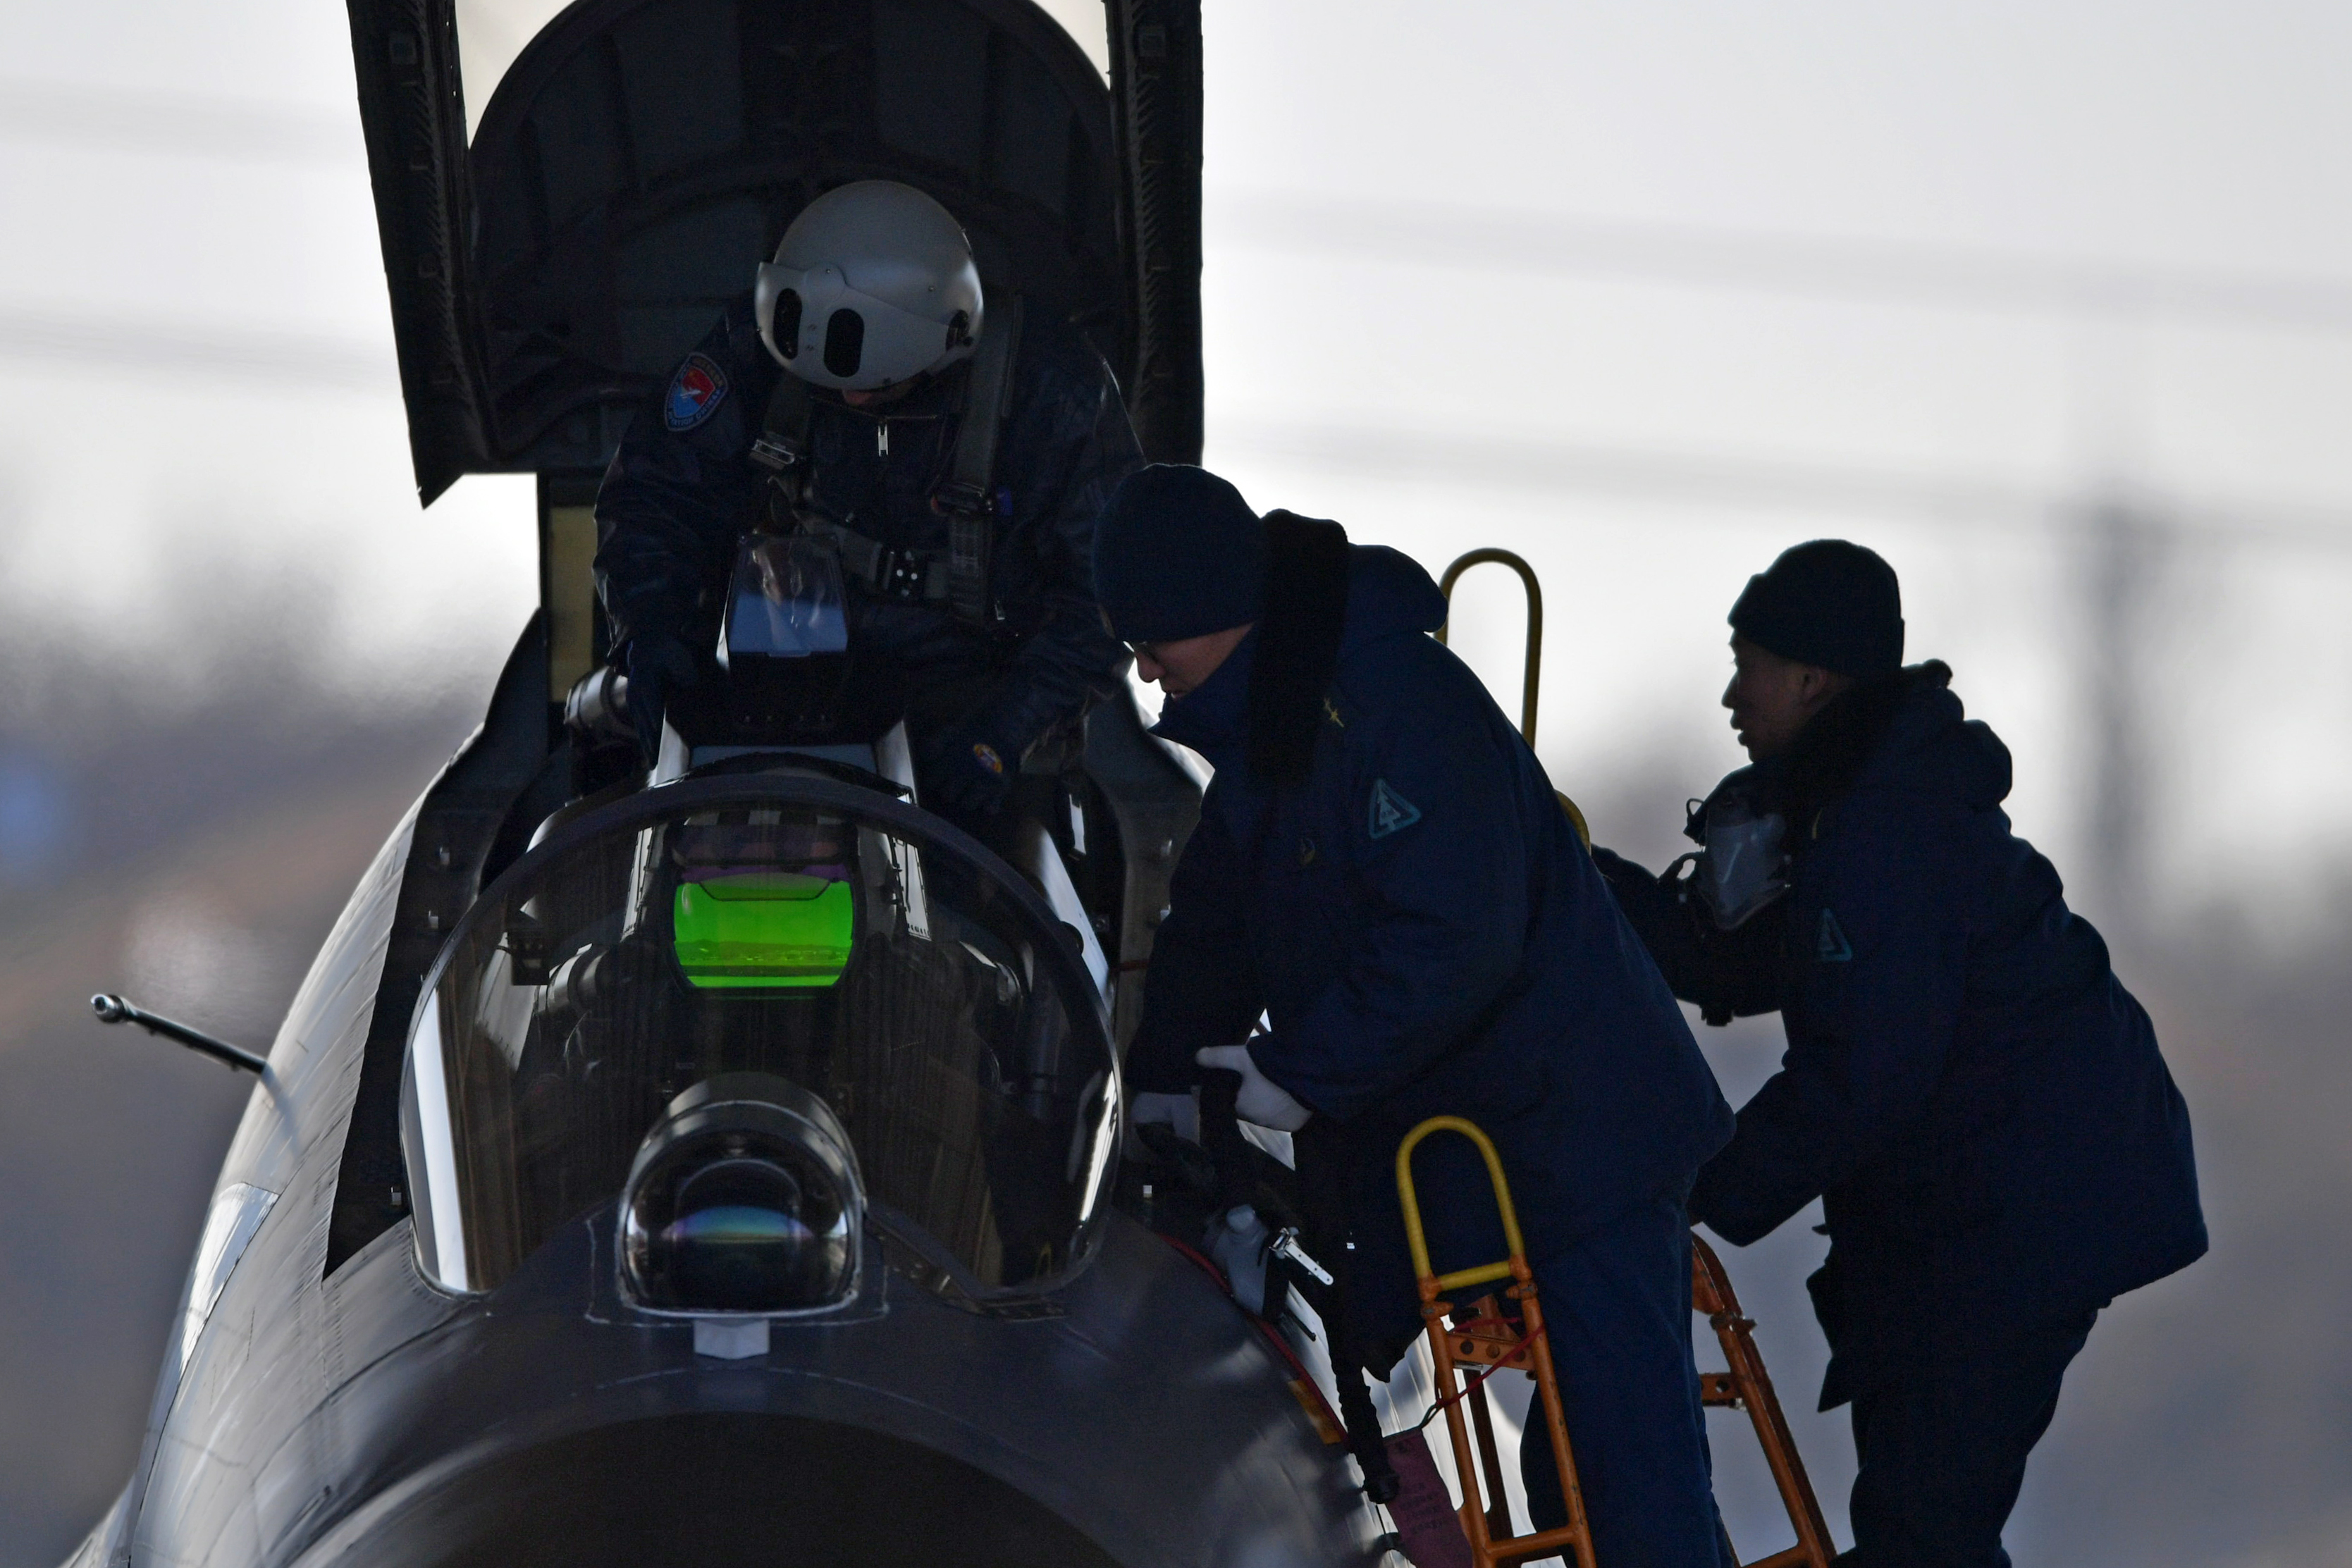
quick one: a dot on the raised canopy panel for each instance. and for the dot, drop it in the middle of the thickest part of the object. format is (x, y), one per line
(643, 156)
(640, 157)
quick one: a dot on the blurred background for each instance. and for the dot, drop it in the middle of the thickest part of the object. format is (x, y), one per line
(2050, 303)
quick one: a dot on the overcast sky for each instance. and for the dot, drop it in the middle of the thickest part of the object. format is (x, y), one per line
(1646, 292)
(1819, 268)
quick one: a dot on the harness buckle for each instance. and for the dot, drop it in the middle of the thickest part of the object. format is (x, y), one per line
(902, 575)
(776, 453)
(964, 500)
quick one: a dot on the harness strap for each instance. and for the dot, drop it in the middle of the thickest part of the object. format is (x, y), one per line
(783, 447)
(909, 575)
(958, 575)
(969, 496)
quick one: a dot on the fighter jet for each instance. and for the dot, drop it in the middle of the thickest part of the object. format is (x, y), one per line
(723, 1163)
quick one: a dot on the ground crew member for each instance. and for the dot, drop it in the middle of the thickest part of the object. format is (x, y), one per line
(1975, 1096)
(871, 320)
(1381, 867)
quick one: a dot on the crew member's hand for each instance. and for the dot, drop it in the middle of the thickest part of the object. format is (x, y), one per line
(1181, 1112)
(969, 770)
(1262, 1102)
(660, 668)
(1178, 1112)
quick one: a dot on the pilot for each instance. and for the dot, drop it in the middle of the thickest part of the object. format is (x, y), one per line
(955, 449)
(1975, 1097)
(1382, 869)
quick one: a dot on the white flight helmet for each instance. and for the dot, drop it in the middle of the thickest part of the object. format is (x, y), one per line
(873, 285)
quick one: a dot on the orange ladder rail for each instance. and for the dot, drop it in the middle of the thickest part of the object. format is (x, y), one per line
(1745, 1386)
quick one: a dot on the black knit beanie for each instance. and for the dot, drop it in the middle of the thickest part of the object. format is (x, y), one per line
(1178, 553)
(1826, 602)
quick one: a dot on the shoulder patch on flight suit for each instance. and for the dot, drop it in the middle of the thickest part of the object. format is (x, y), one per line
(1392, 812)
(695, 393)
(1833, 946)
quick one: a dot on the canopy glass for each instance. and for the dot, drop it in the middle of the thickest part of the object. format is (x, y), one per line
(773, 929)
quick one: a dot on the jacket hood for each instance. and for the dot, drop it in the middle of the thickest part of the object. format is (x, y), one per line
(1389, 595)
(1931, 746)
(1906, 733)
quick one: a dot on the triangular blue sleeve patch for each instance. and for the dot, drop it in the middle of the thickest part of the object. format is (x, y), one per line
(1832, 948)
(1392, 812)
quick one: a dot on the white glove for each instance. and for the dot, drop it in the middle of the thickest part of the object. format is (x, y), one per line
(1262, 1102)
(1181, 1112)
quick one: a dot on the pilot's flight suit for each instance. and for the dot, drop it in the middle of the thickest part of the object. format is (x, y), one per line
(1976, 1098)
(683, 487)
(1428, 935)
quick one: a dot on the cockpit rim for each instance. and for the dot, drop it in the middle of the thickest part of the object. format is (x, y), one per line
(703, 792)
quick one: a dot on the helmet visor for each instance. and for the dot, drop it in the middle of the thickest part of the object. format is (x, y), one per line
(831, 334)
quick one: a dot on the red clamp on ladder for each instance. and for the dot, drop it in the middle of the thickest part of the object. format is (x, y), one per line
(1486, 1340)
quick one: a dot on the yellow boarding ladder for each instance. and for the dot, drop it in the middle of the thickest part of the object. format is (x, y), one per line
(1743, 1386)
(1486, 1339)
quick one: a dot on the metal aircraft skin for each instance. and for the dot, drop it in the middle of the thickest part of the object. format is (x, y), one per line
(371, 1417)
(348, 1380)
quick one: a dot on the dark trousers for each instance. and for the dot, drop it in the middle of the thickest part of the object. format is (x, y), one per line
(1942, 1442)
(1617, 1310)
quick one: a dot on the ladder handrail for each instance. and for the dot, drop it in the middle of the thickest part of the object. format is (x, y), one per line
(1533, 666)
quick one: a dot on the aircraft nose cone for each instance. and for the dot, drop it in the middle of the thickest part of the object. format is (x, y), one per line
(694, 1490)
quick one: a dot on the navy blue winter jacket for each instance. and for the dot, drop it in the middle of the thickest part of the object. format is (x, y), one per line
(682, 489)
(1967, 1086)
(1428, 935)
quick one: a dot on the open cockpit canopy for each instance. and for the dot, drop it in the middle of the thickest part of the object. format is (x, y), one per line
(752, 1013)
(568, 197)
